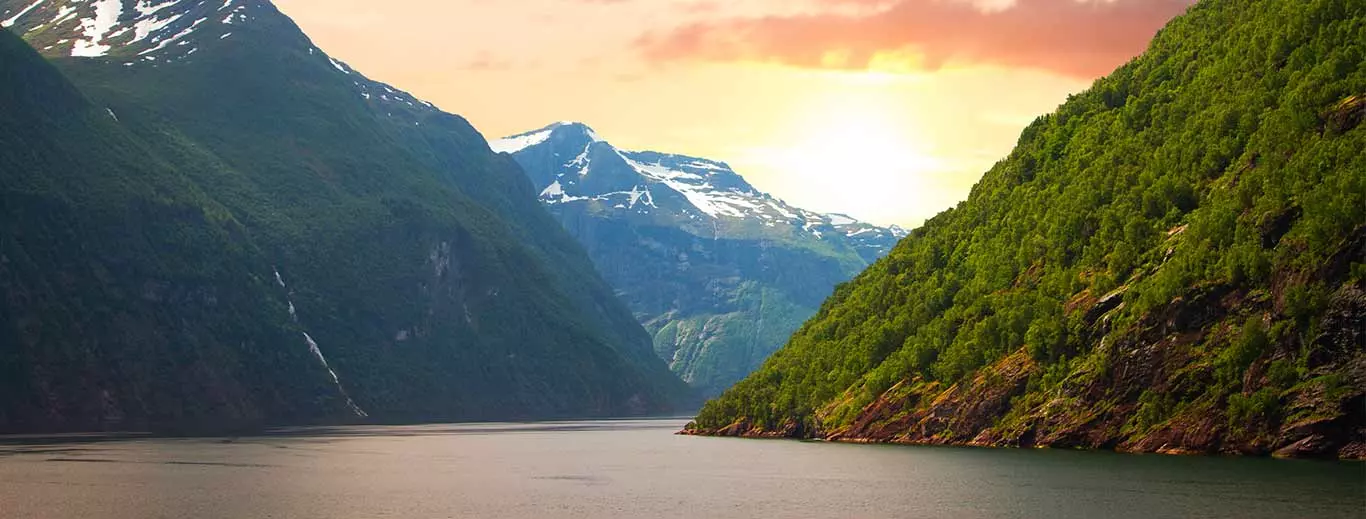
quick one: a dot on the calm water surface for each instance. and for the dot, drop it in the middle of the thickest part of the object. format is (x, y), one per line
(636, 469)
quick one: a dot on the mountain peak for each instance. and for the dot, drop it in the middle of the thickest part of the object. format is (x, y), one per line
(576, 130)
(141, 30)
(569, 130)
(572, 164)
(717, 270)
(156, 32)
(570, 125)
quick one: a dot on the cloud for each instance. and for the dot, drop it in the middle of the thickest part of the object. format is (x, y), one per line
(1082, 38)
(487, 62)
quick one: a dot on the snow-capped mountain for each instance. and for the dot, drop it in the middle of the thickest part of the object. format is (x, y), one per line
(156, 33)
(278, 238)
(571, 164)
(146, 29)
(720, 272)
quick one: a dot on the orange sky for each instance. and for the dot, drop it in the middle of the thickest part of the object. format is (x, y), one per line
(888, 110)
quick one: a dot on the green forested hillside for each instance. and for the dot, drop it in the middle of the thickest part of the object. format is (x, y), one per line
(245, 236)
(1175, 260)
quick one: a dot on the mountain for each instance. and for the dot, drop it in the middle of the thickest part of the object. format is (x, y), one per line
(1173, 261)
(573, 165)
(210, 223)
(719, 272)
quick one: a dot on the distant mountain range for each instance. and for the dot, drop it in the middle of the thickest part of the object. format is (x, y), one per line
(720, 272)
(208, 223)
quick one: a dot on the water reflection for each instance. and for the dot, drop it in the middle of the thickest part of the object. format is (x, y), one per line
(634, 468)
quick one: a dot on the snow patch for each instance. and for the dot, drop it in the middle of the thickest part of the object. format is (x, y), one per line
(338, 65)
(839, 219)
(702, 196)
(107, 14)
(637, 194)
(553, 190)
(592, 135)
(781, 210)
(10, 22)
(582, 161)
(810, 227)
(146, 8)
(63, 14)
(706, 165)
(518, 143)
(144, 27)
(173, 39)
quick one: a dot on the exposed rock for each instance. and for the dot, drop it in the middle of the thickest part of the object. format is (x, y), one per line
(1347, 114)
(1310, 447)
(1105, 305)
(1352, 252)
(1353, 451)
(744, 428)
(959, 414)
(1096, 411)
(1275, 228)
(1344, 324)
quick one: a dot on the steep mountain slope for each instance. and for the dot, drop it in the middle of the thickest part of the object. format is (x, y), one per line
(1174, 261)
(74, 351)
(271, 200)
(719, 272)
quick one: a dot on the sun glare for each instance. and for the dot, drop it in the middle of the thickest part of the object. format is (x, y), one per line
(851, 152)
(866, 143)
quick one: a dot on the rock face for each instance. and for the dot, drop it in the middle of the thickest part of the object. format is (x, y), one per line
(719, 272)
(1173, 262)
(208, 223)
(1323, 418)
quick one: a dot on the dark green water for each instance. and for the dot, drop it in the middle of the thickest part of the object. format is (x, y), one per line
(638, 469)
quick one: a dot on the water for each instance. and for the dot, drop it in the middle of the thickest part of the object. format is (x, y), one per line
(636, 469)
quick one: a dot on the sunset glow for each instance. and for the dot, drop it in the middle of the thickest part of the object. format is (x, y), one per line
(870, 112)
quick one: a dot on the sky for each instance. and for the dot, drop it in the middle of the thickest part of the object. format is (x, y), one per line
(886, 110)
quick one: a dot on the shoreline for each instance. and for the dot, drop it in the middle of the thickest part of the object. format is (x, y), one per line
(1351, 453)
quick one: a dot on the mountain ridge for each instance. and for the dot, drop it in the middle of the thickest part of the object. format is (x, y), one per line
(391, 254)
(712, 189)
(718, 271)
